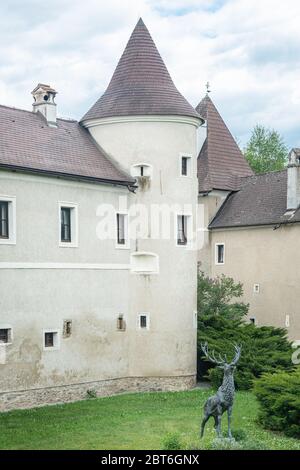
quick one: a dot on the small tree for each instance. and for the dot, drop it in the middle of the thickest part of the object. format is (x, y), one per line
(215, 297)
(266, 150)
(221, 323)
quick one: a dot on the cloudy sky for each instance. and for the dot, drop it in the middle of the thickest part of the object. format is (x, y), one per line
(249, 51)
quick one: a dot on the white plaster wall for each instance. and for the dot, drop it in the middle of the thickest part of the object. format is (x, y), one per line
(169, 347)
(32, 300)
(271, 259)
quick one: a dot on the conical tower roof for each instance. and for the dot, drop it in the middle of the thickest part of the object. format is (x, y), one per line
(141, 84)
(220, 162)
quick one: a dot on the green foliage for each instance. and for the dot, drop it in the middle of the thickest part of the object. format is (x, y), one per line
(279, 398)
(264, 349)
(215, 297)
(266, 150)
(172, 442)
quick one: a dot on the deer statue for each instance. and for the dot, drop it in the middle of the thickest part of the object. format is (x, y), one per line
(222, 401)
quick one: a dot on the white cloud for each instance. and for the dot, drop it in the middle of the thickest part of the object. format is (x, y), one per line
(248, 49)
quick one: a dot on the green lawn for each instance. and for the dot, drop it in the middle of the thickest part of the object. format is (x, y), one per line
(134, 421)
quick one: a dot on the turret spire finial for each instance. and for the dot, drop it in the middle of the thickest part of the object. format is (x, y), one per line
(208, 90)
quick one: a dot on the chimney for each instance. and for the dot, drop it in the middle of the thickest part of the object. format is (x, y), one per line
(293, 179)
(43, 96)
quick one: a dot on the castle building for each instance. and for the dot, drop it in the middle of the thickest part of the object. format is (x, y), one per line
(90, 298)
(103, 223)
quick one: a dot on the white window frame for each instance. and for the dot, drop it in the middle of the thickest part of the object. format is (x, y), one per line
(189, 229)
(189, 165)
(143, 314)
(12, 220)
(56, 338)
(126, 245)
(74, 225)
(4, 326)
(287, 321)
(256, 288)
(216, 253)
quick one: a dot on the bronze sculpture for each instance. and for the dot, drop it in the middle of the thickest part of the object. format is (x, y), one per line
(222, 401)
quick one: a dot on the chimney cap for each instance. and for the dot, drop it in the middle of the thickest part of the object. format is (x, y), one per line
(44, 88)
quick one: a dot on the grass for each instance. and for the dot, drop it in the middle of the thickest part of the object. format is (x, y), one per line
(133, 421)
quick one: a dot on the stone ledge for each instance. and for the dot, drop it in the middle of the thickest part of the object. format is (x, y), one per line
(69, 393)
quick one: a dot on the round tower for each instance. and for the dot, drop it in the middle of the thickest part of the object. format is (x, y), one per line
(149, 128)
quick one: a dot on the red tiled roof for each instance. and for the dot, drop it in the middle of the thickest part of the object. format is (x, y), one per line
(26, 142)
(220, 161)
(141, 84)
(261, 200)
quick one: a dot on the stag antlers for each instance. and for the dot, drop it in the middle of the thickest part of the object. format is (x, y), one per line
(221, 360)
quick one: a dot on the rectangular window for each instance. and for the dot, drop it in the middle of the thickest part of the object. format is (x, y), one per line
(51, 339)
(182, 230)
(4, 222)
(143, 321)
(68, 225)
(220, 253)
(65, 224)
(121, 229)
(5, 335)
(252, 320)
(185, 165)
(7, 220)
(256, 288)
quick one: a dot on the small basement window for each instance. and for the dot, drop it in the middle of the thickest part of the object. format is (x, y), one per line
(220, 253)
(5, 335)
(121, 325)
(67, 329)
(143, 321)
(256, 288)
(51, 339)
